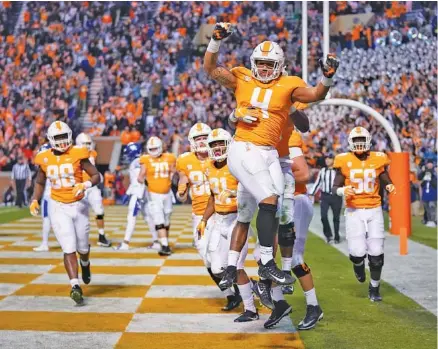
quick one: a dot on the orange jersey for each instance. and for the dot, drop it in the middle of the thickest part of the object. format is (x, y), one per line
(158, 172)
(286, 140)
(363, 176)
(92, 158)
(273, 98)
(221, 179)
(63, 171)
(194, 169)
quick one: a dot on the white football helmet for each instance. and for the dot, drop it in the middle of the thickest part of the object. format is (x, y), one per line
(84, 140)
(199, 129)
(154, 147)
(270, 52)
(218, 152)
(361, 145)
(60, 136)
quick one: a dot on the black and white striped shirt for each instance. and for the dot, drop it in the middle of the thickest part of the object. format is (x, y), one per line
(21, 171)
(325, 180)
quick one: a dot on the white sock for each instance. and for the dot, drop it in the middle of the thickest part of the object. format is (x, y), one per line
(375, 283)
(130, 225)
(164, 242)
(286, 263)
(228, 292)
(83, 263)
(46, 230)
(266, 254)
(74, 282)
(101, 231)
(311, 297)
(277, 293)
(124, 244)
(247, 297)
(233, 257)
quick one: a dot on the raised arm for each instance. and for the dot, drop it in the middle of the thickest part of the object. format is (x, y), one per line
(220, 74)
(317, 93)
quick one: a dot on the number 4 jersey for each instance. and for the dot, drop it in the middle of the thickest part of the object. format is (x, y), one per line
(63, 171)
(363, 176)
(158, 172)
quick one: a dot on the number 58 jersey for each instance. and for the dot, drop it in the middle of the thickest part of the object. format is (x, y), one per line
(63, 171)
(158, 172)
(363, 176)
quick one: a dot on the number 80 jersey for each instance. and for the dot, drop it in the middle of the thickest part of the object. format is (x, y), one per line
(363, 176)
(63, 171)
(158, 172)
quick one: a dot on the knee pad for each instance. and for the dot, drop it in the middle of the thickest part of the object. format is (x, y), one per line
(167, 227)
(286, 235)
(83, 251)
(301, 270)
(357, 260)
(99, 216)
(159, 226)
(375, 262)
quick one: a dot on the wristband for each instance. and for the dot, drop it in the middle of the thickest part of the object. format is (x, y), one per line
(213, 46)
(327, 82)
(87, 184)
(232, 117)
(340, 191)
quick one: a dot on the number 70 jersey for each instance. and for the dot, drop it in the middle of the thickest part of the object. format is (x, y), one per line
(363, 176)
(158, 172)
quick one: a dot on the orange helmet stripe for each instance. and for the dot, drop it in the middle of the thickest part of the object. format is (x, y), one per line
(58, 125)
(266, 48)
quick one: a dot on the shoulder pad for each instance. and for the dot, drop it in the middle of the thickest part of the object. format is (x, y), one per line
(242, 73)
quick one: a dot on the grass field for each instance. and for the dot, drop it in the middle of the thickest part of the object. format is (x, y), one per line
(8, 214)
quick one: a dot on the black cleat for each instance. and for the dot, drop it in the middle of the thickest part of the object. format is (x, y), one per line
(229, 278)
(287, 289)
(165, 251)
(262, 290)
(313, 315)
(281, 309)
(76, 294)
(374, 294)
(247, 316)
(270, 271)
(86, 273)
(103, 241)
(232, 302)
(359, 272)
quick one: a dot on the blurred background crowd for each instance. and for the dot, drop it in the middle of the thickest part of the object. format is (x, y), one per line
(134, 69)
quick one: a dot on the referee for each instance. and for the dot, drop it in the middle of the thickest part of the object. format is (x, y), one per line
(328, 200)
(20, 179)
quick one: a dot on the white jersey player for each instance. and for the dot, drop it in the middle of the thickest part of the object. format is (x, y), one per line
(93, 195)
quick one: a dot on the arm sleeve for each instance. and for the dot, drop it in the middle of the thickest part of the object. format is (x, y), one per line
(317, 184)
(338, 181)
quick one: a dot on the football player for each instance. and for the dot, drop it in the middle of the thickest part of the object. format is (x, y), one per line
(253, 159)
(358, 177)
(221, 215)
(44, 247)
(137, 204)
(157, 169)
(93, 195)
(192, 181)
(63, 165)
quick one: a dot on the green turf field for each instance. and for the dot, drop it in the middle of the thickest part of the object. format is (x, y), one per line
(8, 214)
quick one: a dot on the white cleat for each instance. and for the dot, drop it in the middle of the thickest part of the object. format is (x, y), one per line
(155, 246)
(41, 248)
(122, 247)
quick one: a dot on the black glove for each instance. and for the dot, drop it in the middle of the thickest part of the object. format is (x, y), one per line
(222, 31)
(330, 66)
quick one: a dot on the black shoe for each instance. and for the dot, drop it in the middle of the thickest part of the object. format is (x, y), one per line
(359, 272)
(374, 294)
(329, 241)
(247, 316)
(262, 290)
(270, 271)
(165, 251)
(337, 240)
(287, 289)
(103, 241)
(76, 294)
(229, 278)
(86, 273)
(232, 302)
(281, 309)
(313, 315)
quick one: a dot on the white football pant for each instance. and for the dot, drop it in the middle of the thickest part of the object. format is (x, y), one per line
(160, 207)
(302, 217)
(94, 198)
